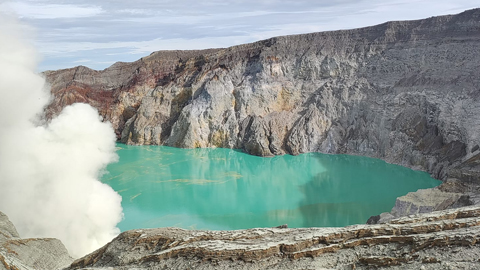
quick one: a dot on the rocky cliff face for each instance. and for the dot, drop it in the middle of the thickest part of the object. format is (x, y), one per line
(406, 92)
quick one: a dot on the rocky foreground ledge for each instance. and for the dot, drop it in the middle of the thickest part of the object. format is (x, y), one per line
(439, 240)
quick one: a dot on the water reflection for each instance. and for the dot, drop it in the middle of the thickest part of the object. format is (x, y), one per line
(355, 188)
(227, 189)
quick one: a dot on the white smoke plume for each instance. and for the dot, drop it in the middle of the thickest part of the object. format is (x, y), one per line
(49, 173)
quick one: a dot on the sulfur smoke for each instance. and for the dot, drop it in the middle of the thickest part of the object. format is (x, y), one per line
(49, 172)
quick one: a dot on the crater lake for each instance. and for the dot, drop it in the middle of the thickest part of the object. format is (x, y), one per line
(225, 189)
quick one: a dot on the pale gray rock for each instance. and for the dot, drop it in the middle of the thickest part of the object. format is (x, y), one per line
(309, 132)
(425, 201)
(451, 194)
(31, 253)
(7, 229)
(255, 140)
(35, 253)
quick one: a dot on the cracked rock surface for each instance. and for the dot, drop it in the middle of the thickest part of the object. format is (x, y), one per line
(31, 253)
(440, 240)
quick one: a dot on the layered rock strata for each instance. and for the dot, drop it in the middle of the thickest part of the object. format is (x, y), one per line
(31, 253)
(441, 240)
(406, 92)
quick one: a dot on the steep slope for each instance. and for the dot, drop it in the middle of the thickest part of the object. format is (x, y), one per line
(406, 92)
(116, 91)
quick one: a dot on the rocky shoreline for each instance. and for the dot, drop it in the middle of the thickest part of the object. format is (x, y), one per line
(405, 92)
(439, 240)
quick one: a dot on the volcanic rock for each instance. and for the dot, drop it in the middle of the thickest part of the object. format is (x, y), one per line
(441, 240)
(406, 92)
(31, 253)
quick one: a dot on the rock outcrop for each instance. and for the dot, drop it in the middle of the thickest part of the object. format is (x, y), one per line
(445, 239)
(406, 92)
(117, 91)
(449, 195)
(31, 253)
(441, 240)
(7, 229)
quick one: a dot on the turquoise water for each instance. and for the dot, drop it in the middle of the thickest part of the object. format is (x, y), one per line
(226, 189)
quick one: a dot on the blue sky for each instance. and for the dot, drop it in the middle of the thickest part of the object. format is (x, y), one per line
(99, 33)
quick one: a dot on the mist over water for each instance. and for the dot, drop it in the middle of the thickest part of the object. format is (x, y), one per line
(49, 172)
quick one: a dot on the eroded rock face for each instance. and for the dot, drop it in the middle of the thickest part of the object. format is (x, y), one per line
(31, 253)
(117, 91)
(442, 240)
(406, 92)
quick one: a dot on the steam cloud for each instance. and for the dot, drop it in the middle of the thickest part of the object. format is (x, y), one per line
(49, 172)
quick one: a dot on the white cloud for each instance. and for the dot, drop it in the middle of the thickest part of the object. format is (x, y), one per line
(135, 11)
(49, 173)
(82, 61)
(144, 47)
(50, 11)
(133, 27)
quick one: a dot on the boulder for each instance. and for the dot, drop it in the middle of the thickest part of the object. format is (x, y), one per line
(30, 253)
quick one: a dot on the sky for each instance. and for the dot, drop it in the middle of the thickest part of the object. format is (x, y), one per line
(98, 33)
